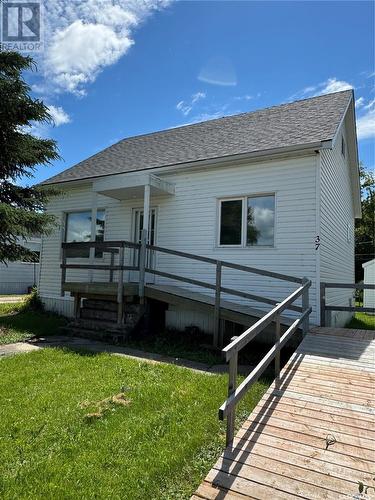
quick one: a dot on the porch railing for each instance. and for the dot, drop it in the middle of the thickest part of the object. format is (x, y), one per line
(323, 300)
(217, 287)
(236, 394)
(111, 247)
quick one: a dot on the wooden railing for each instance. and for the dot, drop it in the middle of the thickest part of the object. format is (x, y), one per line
(217, 287)
(111, 247)
(118, 247)
(235, 394)
(354, 286)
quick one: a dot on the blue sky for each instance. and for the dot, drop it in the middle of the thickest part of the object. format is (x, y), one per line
(122, 68)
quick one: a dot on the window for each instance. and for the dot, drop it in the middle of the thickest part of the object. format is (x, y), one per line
(231, 222)
(78, 229)
(248, 221)
(343, 147)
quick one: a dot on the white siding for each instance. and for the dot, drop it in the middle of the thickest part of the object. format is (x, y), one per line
(337, 228)
(187, 221)
(369, 279)
(17, 277)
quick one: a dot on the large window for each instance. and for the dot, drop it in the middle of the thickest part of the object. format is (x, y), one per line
(247, 221)
(78, 229)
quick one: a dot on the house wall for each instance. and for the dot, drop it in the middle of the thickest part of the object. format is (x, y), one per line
(17, 277)
(336, 229)
(187, 221)
(369, 279)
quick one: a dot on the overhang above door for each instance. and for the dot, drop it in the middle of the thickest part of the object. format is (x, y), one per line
(125, 186)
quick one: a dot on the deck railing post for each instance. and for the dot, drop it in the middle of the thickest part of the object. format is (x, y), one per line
(63, 271)
(77, 306)
(112, 264)
(322, 304)
(120, 298)
(142, 265)
(217, 336)
(232, 384)
(305, 306)
(278, 354)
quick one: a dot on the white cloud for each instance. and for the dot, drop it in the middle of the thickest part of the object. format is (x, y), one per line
(366, 125)
(370, 104)
(327, 87)
(366, 122)
(58, 115)
(197, 97)
(359, 102)
(219, 71)
(333, 85)
(186, 106)
(245, 97)
(82, 38)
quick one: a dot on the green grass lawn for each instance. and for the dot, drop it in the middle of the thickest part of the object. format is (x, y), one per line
(17, 324)
(362, 321)
(158, 444)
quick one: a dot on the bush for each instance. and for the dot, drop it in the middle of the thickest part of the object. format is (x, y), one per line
(33, 302)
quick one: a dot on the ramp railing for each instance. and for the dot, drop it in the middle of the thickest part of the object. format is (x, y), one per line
(236, 394)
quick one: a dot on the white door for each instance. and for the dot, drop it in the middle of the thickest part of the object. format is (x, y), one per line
(137, 235)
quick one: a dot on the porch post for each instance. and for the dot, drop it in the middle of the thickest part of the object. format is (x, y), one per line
(144, 240)
(94, 210)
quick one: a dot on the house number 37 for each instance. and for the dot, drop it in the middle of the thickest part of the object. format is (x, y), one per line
(317, 242)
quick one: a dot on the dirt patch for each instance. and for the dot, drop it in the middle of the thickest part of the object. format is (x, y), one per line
(104, 406)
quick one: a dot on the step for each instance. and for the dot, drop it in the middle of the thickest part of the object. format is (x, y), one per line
(98, 314)
(102, 336)
(103, 305)
(96, 325)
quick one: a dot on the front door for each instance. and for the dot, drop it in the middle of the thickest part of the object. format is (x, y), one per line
(137, 235)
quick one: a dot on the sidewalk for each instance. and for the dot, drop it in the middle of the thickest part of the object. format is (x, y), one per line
(12, 299)
(81, 344)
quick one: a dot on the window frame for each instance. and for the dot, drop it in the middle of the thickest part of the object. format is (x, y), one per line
(244, 199)
(65, 229)
(220, 201)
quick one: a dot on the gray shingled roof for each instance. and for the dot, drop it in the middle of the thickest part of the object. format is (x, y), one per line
(290, 125)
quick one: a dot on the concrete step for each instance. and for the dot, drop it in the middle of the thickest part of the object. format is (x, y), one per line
(103, 305)
(98, 314)
(95, 325)
(113, 337)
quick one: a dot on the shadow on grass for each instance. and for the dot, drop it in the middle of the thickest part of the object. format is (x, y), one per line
(19, 324)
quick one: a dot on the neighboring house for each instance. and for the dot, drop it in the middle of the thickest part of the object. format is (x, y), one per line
(275, 189)
(369, 279)
(17, 277)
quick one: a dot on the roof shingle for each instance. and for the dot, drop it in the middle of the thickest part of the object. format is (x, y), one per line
(290, 125)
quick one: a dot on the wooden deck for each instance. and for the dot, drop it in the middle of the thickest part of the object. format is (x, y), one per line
(176, 295)
(314, 435)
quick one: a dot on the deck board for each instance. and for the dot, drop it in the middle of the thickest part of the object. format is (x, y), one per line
(327, 389)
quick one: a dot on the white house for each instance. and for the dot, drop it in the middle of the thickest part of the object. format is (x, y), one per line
(17, 277)
(369, 279)
(275, 189)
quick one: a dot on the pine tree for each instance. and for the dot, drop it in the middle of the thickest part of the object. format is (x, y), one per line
(22, 209)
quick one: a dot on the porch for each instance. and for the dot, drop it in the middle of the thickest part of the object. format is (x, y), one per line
(214, 300)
